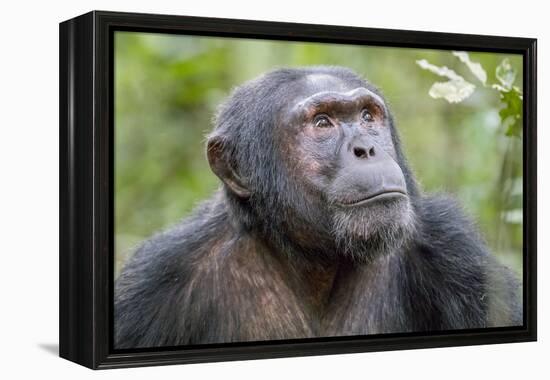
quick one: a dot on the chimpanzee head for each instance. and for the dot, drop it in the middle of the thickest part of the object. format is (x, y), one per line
(311, 161)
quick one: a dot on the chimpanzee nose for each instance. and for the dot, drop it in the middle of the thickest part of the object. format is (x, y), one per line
(364, 151)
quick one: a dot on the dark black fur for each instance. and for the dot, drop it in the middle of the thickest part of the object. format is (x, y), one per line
(232, 271)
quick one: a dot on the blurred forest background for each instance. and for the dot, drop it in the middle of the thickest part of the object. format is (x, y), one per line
(167, 89)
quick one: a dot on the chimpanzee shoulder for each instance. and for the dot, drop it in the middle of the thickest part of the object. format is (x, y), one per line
(213, 283)
(454, 275)
(160, 315)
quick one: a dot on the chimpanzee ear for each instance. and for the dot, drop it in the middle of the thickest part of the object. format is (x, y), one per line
(221, 166)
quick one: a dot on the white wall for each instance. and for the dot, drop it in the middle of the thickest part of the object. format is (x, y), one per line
(29, 186)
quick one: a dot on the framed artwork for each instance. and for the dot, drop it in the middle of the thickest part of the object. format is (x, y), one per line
(235, 189)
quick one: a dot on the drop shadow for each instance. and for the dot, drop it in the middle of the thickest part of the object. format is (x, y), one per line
(52, 348)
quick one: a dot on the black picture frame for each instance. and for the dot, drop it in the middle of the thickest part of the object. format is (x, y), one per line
(86, 187)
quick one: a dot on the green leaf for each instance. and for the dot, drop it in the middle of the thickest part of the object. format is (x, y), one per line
(512, 111)
(506, 74)
(475, 67)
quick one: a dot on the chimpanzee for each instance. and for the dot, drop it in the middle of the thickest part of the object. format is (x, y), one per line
(319, 230)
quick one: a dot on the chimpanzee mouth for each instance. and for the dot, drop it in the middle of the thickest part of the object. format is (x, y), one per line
(383, 195)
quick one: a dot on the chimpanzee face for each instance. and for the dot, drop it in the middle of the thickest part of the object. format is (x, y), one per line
(339, 147)
(315, 158)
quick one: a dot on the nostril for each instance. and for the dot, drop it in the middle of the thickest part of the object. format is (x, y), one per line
(360, 152)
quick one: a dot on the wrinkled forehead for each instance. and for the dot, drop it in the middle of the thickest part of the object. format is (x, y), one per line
(315, 83)
(322, 91)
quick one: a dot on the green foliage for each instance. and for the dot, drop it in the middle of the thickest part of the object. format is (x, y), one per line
(458, 89)
(508, 198)
(511, 112)
(168, 87)
(511, 97)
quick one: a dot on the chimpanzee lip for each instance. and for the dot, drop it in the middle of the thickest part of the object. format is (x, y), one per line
(378, 196)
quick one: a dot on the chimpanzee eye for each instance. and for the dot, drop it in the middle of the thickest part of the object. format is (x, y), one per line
(366, 115)
(322, 121)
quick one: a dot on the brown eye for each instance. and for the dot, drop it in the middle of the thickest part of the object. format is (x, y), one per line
(322, 121)
(366, 116)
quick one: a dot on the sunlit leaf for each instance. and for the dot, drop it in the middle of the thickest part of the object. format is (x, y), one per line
(505, 73)
(474, 67)
(443, 71)
(453, 91)
(499, 87)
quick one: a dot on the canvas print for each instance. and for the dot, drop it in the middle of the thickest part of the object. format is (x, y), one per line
(278, 190)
